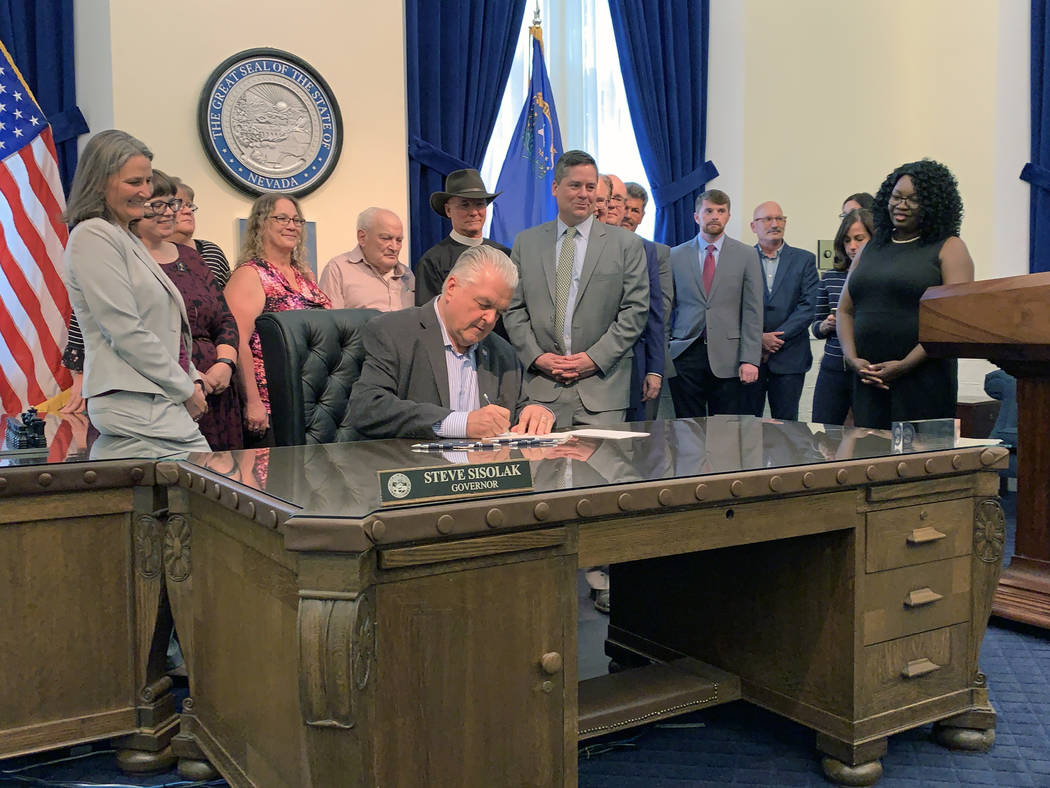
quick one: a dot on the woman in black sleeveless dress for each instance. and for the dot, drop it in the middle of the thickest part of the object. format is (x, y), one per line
(917, 215)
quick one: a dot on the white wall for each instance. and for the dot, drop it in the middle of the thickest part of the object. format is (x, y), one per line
(141, 68)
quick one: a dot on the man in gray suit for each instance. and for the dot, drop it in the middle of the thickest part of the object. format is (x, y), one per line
(716, 326)
(436, 370)
(580, 304)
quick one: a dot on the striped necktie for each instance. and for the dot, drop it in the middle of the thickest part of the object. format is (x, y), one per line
(563, 281)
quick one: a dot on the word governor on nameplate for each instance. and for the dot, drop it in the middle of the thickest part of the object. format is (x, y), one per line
(411, 485)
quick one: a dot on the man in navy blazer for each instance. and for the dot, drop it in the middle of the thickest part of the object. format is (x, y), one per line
(790, 287)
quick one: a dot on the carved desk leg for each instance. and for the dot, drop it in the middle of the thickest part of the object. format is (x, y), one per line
(975, 729)
(851, 764)
(149, 750)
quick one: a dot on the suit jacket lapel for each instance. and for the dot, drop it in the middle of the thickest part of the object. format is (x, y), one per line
(595, 246)
(154, 268)
(431, 338)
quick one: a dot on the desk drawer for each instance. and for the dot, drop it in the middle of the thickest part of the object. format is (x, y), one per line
(909, 670)
(901, 602)
(918, 534)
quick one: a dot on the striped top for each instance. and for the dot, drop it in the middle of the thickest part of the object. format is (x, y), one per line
(216, 260)
(828, 292)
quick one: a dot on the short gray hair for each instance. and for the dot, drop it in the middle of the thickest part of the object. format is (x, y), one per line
(104, 155)
(477, 258)
(637, 192)
(368, 215)
(572, 158)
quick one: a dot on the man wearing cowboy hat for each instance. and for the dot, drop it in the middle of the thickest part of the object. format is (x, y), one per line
(465, 202)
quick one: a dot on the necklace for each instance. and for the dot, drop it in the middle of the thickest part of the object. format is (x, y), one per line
(910, 240)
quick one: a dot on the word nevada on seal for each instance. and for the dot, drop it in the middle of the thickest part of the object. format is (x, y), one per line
(270, 123)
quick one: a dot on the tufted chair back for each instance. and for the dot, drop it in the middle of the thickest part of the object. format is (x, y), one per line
(312, 358)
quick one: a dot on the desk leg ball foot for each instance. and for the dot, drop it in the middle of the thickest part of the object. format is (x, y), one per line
(970, 739)
(844, 774)
(196, 770)
(144, 762)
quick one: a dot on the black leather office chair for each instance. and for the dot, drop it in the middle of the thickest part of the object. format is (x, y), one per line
(312, 358)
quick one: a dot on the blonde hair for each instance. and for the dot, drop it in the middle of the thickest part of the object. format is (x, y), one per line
(252, 246)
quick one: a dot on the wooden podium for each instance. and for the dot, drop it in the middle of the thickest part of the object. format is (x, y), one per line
(1007, 321)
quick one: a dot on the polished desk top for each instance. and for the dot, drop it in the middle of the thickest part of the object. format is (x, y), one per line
(338, 484)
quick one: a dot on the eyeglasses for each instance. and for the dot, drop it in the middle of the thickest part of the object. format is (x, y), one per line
(283, 220)
(768, 219)
(158, 206)
(910, 199)
(190, 207)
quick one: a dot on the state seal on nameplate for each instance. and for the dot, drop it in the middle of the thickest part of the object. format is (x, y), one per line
(270, 123)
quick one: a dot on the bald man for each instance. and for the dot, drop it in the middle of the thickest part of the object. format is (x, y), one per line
(614, 209)
(370, 276)
(790, 288)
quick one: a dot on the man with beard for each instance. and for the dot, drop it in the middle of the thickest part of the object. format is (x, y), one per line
(716, 324)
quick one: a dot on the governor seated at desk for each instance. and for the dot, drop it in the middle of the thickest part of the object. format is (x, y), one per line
(437, 371)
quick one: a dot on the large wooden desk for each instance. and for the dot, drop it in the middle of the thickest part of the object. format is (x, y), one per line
(333, 643)
(83, 622)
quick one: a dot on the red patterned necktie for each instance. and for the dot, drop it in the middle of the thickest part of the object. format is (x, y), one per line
(709, 268)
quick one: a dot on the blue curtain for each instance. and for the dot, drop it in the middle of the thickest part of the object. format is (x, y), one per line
(1037, 170)
(39, 36)
(663, 57)
(459, 56)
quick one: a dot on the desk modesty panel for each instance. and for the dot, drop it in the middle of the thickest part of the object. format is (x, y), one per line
(334, 641)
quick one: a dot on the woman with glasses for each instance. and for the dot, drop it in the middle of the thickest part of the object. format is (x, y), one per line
(916, 245)
(215, 338)
(833, 393)
(186, 226)
(144, 393)
(271, 276)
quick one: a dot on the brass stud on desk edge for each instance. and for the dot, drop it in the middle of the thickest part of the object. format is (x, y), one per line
(665, 496)
(700, 492)
(871, 472)
(902, 469)
(90, 477)
(809, 479)
(44, 479)
(737, 488)
(776, 484)
(624, 502)
(377, 530)
(445, 523)
(494, 518)
(842, 476)
(3, 483)
(583, 507)
(929, 466)
(541, 511)
(988, 456)
(957, 461)
(137, 474)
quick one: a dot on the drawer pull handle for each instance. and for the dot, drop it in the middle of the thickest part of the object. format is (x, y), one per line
(924, 535)
(919, 667)
(920, 597)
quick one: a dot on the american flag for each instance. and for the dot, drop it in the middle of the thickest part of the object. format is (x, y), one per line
(34, 306)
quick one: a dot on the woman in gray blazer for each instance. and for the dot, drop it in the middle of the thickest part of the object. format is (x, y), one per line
(144, 395)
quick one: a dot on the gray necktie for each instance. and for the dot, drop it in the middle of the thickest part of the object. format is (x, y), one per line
(563, 281)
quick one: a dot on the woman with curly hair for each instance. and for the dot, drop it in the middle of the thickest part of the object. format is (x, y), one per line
(271, 276)
(833, 393)
(917, 214)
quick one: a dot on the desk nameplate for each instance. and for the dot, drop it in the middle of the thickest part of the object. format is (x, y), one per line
(441, 482)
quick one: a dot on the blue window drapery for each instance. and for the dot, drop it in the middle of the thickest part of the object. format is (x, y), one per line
(458, 57)
(1037, 170)
(663, 59)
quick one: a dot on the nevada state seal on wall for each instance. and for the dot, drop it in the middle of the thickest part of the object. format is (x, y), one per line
(270, 123)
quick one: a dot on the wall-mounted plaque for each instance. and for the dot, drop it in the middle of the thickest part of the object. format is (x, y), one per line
(270, 123)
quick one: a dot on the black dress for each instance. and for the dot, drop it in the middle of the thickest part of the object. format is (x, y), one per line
(886, 287)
